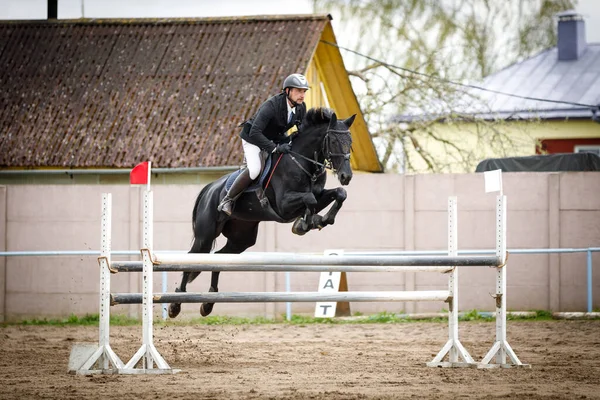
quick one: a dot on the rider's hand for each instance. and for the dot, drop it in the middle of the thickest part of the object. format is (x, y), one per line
(283, 148)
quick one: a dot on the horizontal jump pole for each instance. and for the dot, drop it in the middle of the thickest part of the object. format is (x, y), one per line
(137, 266)
(309, 259)
(280, 297)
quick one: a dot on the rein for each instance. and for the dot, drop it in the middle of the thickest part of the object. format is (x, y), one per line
(319, 172)
(326, 152)
(273, 171)
(323, 166)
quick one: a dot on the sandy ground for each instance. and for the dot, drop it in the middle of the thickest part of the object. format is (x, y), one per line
(371, 361)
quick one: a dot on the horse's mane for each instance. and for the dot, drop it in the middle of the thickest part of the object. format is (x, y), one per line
(317, 116)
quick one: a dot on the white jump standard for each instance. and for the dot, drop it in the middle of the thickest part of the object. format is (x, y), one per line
(104, 356)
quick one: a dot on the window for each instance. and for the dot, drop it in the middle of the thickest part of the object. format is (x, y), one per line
(587, 149)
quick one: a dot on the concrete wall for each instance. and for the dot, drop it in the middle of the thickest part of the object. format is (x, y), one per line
(383, 212)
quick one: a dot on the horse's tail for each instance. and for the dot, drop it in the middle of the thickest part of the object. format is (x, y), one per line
(195, 211)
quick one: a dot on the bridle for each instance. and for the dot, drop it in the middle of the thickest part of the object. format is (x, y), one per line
(326, 151)
(325, 148)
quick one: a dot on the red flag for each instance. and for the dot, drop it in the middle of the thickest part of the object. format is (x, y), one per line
(140, 173)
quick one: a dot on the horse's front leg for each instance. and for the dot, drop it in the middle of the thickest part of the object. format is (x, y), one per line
(337, 196)
(303, 224)
(311, 219)
(293, 201)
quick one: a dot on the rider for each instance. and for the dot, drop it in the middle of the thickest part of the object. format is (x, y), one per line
(266, 131)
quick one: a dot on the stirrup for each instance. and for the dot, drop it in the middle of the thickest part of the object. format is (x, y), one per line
(226, 205)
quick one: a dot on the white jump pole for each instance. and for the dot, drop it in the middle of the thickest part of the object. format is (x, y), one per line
(453, 347)
(104, 354)
(147, 353)
(501, 348)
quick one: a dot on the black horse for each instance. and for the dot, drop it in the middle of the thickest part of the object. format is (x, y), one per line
(295, 191)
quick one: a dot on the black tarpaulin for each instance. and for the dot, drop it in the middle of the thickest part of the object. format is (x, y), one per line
(543, 163)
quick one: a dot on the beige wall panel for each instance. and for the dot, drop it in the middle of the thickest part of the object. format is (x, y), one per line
(528, 269)
(470, 190)
(527, 229)
(533, 297)
(173, 236)
(580, 228)
(369, 281)
(165, 196)
(62, 202)
(572, 269)
(431, 230)
(49, 305)
(68, 235)
(266, 239)
(352, 230)
(432, 191)
(476, 288)
(476, 229)
(56, 275)
(372, 192)
(580, 191)
(431, 281)
(524, 191)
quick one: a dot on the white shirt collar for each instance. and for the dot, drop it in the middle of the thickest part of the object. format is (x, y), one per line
(290, 109)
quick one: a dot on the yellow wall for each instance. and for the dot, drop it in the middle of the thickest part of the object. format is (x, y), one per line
(508, 139)
(327, 69)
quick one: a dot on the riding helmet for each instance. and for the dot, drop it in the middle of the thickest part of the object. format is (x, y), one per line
(296, 81)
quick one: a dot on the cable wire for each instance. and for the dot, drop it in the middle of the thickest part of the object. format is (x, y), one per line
(594, 108)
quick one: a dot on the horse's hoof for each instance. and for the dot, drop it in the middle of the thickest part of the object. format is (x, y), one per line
(174, 310)
(298, 232)
(297, 228)
(206, 309)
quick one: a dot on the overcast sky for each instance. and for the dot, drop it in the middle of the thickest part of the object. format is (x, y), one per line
(37, 9)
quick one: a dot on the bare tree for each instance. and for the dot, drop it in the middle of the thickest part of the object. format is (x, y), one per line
(416, 50)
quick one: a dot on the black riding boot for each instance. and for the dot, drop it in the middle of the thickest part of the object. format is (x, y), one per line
(237, 188)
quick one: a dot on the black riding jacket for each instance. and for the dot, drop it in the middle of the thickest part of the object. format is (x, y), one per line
(267, 127)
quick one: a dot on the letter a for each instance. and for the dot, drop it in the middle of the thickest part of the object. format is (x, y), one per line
(328, 284)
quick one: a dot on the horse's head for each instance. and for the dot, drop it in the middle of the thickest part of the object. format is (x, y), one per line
(325, 140)
(337, 144)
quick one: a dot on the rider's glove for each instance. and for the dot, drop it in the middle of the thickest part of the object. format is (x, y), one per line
(283, 148)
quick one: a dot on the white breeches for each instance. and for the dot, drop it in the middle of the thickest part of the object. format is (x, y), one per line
(252, 155)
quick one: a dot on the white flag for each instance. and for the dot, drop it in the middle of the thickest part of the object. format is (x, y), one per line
(493, 181)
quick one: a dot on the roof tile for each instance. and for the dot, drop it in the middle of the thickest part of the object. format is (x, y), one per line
(89, 94)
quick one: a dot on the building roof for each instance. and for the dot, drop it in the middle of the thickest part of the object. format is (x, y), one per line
(113, 93)
(543, 76)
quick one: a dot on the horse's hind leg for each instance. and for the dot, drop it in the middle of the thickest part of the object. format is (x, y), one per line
(206, 308)
(240, 236)
(188, 277)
